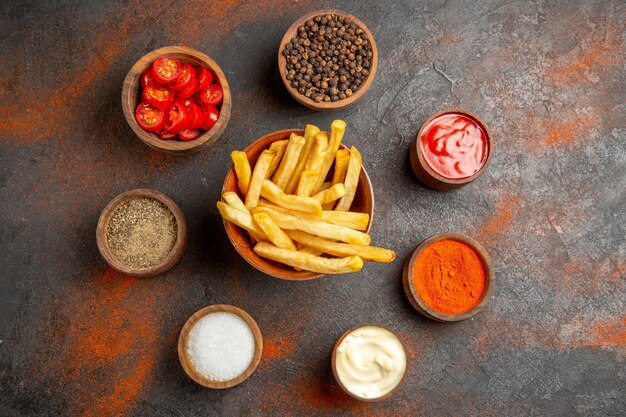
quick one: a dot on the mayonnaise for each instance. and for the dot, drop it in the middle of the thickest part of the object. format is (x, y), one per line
(370, 362)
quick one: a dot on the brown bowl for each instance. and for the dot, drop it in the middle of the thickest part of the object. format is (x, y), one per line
(416, 299)
(186, 362)
(339, 104)
(169, 261)
(333, 361)
(363, 202)
(131, 97)
(429, 177)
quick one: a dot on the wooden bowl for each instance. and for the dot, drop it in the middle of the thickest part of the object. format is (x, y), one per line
(131, 96)
(333, 361)
(169, 261)
(429, 177)
(339, 104)
(186, 362)
(416, 299)
(363, 202)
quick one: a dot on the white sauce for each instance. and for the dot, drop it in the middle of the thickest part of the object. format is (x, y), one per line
(370, 362)
(220, 346)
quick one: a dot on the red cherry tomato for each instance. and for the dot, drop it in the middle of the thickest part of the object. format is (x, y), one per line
(210, 116)
(149, 117)
(189, 91)
(146, 78)
(211, 95)
(166, 69)
(164, 135)
(196, 115)
(160, 96)
(177, 118)
(204, 76)
(185, 79)
(189, 134)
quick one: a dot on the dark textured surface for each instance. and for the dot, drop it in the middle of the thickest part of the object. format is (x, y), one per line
(548, 77)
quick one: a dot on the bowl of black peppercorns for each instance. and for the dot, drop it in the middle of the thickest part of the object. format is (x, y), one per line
(327, 60)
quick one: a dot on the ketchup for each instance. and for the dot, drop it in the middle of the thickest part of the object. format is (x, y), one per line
(454, 146)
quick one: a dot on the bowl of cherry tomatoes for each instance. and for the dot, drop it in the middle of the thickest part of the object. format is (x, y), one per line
(176, 100)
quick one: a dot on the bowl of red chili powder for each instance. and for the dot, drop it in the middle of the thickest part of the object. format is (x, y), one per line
(448, 277)
(452, 148)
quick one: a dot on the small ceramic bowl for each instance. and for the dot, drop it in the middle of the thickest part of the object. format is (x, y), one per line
(131, 96)
(175, 253)
(429, 177)
(186, 362)
(363, 203)
(334, 365)
(416, 299)
(339, 104)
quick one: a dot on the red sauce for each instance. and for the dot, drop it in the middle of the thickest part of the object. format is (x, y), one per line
(454, 146)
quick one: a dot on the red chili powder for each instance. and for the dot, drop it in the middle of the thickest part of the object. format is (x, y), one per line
(449, 276)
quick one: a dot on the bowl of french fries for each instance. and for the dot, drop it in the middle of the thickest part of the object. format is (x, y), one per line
(297, 204)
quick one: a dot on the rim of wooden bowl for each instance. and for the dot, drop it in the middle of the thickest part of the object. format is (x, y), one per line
(340, 104)
(333, 362)
(174, 255)
(184, 336)
(130, 99)
(426, 174)
(417, 301)
(240, 239)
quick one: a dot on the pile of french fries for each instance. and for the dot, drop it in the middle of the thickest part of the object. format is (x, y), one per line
(293, 215)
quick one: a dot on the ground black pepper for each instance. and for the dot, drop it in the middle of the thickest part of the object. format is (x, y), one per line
(141, 232)
(329, 59)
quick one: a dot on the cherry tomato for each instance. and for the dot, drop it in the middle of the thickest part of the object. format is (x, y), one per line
(165, 135)
(160, 96)
(185, 79)
(149, 117)
(204, 76)
(211, 95)
(146, 78)
(210, 116)
(166, 69)
(177, 118)
(196, 115)
(189, 134)
(189, 91)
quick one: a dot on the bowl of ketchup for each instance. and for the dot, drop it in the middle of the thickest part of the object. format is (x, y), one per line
(452, 148)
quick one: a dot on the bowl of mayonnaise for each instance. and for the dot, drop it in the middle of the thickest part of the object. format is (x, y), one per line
(369, 362)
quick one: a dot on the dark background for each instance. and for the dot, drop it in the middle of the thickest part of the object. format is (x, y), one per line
(78, 339)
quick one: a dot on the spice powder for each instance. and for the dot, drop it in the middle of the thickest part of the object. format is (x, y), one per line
(141, 232)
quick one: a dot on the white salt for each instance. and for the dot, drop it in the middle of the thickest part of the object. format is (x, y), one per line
(220, 346)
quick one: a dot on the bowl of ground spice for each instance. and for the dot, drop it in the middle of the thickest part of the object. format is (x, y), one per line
(142, 232)
(327, 59)
(448, 277)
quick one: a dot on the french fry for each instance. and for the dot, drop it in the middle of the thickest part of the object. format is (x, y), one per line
(233, 200)
(242, 169)
(369, 253)
(279, 147)
(339, 175)
(331, 194)
(309, 136)
(352, 180)
(274, 194)
(288, 164)
(350, 219)
(241, 219)
(313, 165)
(273, 232)
(316, 227)
(258, 176)
(308, 178)
(307, 261)
(326, 186)
(337, 130)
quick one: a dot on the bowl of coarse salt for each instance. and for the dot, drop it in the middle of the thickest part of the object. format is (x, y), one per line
(220, 346)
